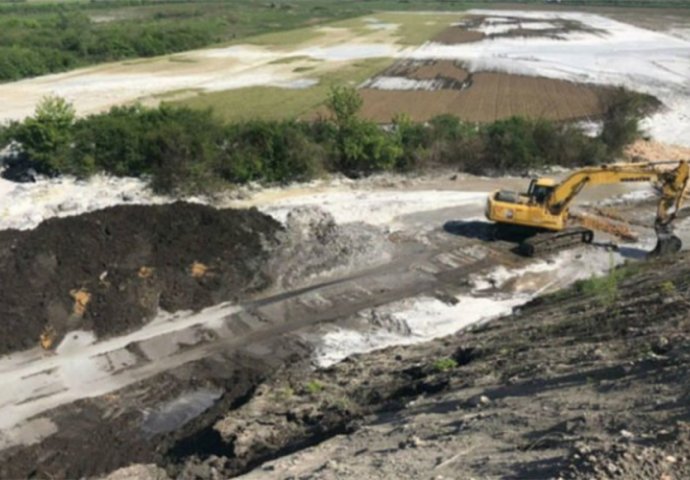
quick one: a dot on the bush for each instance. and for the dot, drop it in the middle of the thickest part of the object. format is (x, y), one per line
(46, 137)
(414, 138)
(271, 151)
(188, 150)
(444, 364)
(622, 118)
(363, 147)
(511, 146)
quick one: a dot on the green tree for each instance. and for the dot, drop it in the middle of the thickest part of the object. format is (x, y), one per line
(622, 119)
(414, 138)
(344, 102)
(510, 145)
(362, 146)
(46, 136)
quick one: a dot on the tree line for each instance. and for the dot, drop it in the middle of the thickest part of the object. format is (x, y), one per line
(41, 38)
(190, 151)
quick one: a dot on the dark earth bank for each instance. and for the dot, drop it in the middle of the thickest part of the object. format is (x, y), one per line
(111, 270)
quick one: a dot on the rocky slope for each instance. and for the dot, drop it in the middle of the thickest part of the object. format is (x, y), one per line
(590, 382)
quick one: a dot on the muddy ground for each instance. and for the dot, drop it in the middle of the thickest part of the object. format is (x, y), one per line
(220, 392)
(111, 270)
(585, 383)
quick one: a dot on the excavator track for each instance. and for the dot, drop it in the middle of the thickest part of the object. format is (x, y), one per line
(549, 242)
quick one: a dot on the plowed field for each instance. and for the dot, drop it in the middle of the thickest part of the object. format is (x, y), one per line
(490, 96)
(457, 34)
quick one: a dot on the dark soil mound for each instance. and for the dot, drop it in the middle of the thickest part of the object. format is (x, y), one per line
(110, 270)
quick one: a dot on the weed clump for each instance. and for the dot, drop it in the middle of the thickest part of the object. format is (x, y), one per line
(444, 364)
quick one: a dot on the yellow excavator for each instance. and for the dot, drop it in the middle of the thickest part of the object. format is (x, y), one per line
(539, 216)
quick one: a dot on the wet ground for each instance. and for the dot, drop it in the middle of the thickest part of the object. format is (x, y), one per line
(153, 394)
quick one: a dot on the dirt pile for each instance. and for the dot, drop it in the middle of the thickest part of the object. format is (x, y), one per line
(591, 381)
(650, 150)
(314, 245)
(112, 269)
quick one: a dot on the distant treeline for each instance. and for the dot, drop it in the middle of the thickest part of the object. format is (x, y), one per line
(54, 37)
(191, 151)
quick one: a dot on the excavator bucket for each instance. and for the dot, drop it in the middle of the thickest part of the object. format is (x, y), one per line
(666, 244)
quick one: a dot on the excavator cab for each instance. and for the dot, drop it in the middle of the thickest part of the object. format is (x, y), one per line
(540, 189)
(526, 209)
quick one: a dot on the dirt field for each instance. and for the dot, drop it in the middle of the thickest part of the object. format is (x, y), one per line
(456, 35)
(487, 97)
(441, 69)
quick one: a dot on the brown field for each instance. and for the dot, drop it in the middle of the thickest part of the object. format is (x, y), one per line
(491, 96)
(455, 35)
(440, 69)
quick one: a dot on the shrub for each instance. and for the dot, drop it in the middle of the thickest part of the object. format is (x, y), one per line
(46, 137)
(314, 386)
(270, 151)
(511, 146)
(414, 139)
(622, 118)
(189, 150)
(363, 147)
(444, 364)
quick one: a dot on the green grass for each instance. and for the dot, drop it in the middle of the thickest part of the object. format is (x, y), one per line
(291, 59)
(181, 59)
(414, 28)
(314, 387)
(417, 28)
(444, 364)
(274, 103)
(175, 93)
(287, 38)
(606, 288)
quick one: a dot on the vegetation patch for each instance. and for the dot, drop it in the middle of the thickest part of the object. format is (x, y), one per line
(36, 39)
(291, 59)
(181, 149)
(415, 28)
(275, 103)
(444, 364)
(288, 38)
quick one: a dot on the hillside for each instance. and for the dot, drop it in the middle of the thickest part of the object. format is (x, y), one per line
(574, 385)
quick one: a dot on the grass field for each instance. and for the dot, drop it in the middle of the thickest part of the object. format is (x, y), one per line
(274, 103)
(280, 103)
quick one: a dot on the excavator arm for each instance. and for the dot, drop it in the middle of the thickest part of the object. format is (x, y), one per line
(672, 182)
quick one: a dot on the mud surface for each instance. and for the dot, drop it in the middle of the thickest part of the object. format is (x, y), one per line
(222, 391)
(579, 384)
(111, 270)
